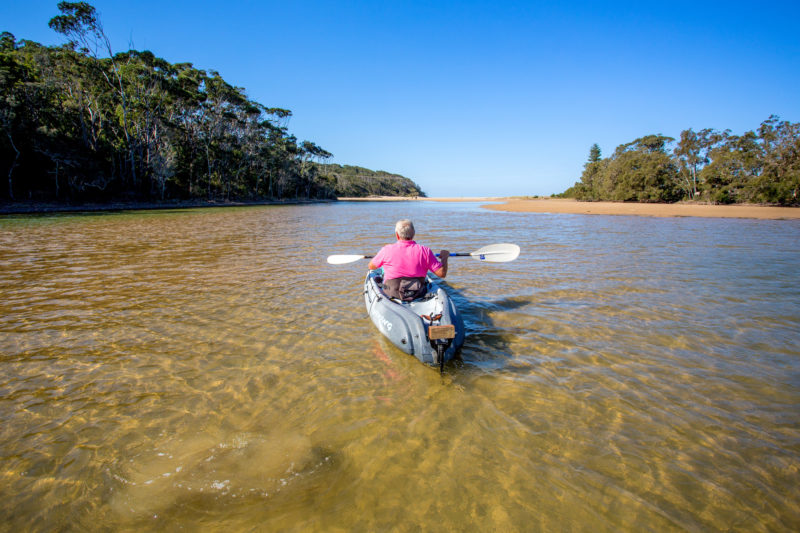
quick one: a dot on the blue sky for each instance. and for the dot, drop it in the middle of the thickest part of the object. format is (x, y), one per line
(475, 98)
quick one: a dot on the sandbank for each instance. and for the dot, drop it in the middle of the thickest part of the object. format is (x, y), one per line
(559, 205)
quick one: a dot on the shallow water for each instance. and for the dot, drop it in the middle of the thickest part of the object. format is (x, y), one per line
(207, 369)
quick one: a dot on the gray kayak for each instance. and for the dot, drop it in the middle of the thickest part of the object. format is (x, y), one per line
(424, 328)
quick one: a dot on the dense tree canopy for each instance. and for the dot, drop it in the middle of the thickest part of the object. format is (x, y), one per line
(356, 181)
(80, 123)
(711, 166)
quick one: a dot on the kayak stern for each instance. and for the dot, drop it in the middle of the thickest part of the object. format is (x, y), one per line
(418, 327)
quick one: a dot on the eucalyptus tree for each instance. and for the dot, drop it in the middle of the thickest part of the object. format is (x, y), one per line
(639, 171)
(11, 75)
(780, 179)
(79, 23)
(735, 161)
(692, 153)
(151, 114)
(188, 96)
(310, 154)
(132, 125)
(69, 116)
(33, 113)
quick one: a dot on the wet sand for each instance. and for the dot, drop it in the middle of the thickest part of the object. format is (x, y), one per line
(554, 205)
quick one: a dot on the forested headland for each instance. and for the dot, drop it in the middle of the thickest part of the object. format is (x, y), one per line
(757, 167)
(83, 124)
(360, 182)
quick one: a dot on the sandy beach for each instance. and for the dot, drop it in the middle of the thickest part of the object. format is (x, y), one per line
(568, 206)
(557, 205)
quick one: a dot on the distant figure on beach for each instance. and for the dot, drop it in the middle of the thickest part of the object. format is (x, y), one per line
(406, 263)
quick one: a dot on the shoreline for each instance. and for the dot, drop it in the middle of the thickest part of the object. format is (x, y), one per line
(43, 208)
(502, 203)
(569, 206)
(423, 199)
(574, 207)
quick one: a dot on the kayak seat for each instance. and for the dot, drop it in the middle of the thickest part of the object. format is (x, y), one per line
(407, 289)
(427, 296)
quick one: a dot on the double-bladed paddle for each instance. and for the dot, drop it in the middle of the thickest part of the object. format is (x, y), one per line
(494, 253)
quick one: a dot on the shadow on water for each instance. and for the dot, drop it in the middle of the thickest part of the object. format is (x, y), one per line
(488, 345)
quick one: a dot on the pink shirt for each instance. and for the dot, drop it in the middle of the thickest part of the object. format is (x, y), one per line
(406, 259)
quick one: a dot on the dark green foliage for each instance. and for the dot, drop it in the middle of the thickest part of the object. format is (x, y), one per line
(711, 166)
(360, 182)
(639, 171)
(594, 153)
(75, 126)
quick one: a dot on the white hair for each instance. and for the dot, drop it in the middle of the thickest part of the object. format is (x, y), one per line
(404, 229)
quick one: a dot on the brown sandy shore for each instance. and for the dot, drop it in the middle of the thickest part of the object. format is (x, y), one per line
(558, 205)
(553, 205)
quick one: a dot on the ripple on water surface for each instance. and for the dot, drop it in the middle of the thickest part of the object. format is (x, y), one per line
(207, 368)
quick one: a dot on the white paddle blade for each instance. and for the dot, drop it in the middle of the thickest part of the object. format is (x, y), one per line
(497, 253)
(344, 259)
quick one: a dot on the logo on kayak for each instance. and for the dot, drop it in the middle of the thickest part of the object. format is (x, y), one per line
(385, 323)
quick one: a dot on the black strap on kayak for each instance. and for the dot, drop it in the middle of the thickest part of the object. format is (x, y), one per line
(441, 337)
(440, 349)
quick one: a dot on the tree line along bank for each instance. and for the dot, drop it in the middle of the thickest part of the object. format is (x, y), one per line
(82, 124)
(760, 167)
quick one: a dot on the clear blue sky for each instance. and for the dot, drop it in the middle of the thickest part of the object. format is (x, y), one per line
(475, 98)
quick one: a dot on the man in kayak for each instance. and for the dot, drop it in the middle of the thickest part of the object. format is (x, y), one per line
(406, 263)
